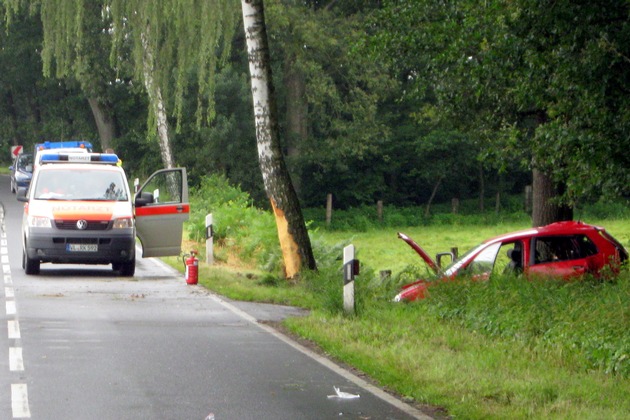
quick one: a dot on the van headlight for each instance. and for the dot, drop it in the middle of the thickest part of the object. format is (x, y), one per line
(39, 222)
(123, 223)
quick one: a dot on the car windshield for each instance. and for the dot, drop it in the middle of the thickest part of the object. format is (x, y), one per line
(453, 267)
(87, 185)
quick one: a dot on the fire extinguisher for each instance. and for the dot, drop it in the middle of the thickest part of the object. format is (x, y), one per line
(191, 274)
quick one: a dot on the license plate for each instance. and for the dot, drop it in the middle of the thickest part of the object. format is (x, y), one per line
(82, 247)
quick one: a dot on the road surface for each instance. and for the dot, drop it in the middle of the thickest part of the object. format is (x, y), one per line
(79, 342)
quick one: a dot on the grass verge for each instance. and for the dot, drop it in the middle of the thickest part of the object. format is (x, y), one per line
(494, 350)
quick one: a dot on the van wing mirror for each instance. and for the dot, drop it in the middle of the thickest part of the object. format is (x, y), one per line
(143, 199)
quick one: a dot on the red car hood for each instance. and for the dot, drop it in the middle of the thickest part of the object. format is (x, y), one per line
(423, 254)
(417, 289)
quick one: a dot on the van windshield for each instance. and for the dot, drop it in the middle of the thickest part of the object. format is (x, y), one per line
(80, 185)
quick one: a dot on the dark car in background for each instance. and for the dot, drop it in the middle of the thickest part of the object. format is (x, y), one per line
(562, 250)
(21, 171)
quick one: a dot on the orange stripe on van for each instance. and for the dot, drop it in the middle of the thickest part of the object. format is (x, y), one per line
(83, 210)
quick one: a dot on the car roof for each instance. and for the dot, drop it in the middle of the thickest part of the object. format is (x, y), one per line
(558, 228)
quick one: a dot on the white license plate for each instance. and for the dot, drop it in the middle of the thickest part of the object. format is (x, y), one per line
(82, 247)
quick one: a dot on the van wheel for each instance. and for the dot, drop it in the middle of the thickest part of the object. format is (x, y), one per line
(127, 269)
(29, 265)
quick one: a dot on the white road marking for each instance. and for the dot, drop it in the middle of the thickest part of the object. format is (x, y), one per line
(11, 310)
(16, 362)
(14, 329)
(9, 292)
(19, 401)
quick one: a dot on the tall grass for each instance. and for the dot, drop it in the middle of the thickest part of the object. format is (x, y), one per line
(586, 322)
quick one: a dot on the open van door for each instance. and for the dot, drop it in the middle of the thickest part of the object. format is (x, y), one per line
(161, 208)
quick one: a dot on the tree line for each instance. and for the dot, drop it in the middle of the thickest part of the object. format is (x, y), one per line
(406, 101)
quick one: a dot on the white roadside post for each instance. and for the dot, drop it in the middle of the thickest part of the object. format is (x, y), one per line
(350, 269)
(209, 240)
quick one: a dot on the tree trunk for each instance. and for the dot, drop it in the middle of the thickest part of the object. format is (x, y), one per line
(293, 236)
(15, 136)
(156, 101)
(104, 122)
(482, 189)
(545, 210)
(297, 111)
(427, 211)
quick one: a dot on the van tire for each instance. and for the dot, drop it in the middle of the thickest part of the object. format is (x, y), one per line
(30, 266)
(127, 269)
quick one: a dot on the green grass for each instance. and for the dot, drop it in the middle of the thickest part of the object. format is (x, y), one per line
(500, 349)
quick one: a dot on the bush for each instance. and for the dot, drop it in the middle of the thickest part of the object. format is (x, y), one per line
(249, 231)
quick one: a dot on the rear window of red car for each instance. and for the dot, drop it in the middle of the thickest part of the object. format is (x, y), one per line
(563, 248)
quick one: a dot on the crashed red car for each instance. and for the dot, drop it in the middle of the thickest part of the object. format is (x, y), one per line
(564, 250)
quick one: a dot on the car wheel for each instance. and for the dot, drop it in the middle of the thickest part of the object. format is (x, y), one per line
(127, 269)
(30, 266)
(13, 189)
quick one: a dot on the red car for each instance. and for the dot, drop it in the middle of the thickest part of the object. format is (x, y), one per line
(563, 250)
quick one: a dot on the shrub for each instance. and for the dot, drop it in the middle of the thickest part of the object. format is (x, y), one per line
(250, 231)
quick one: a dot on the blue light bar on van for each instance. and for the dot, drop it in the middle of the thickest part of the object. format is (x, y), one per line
(78, 144)
(108, 158)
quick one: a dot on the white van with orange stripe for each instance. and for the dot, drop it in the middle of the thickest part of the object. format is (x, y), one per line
(79, 210)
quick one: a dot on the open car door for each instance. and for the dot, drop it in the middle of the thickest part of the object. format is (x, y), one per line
(161, 208)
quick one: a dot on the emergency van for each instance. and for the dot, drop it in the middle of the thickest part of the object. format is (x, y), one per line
(79, 210)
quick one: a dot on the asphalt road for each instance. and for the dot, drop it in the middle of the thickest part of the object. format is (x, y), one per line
(78, 342)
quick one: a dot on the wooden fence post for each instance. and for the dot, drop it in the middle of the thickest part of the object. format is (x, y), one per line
(455, 205)
(328, 209)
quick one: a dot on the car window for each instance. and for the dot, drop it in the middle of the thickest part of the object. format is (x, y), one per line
(484, 261)
(165, 187)
(562, 248)
(25, 163)
(509, 258)
(91, 185)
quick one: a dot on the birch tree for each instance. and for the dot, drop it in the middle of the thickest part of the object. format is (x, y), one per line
(169, 41)
(294, 241)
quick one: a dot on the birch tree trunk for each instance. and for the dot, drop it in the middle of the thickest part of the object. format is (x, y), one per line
(295, 244)
(156, 102)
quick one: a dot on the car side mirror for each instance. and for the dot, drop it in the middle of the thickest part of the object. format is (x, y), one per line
(143, 199)
(21, 194)
(11, 168)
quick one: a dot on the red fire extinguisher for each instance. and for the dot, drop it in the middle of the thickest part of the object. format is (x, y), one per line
(191, 274)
